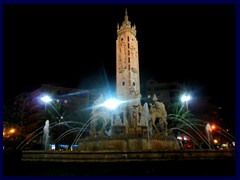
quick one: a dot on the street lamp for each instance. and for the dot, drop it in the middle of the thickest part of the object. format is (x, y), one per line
(46, 99)
(185, 98)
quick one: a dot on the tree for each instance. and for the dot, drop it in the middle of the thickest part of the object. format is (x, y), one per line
(179, 118)
(177, 113)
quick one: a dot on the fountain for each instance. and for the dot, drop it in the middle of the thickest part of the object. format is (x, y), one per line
(44, 131)
(46, 135)
(103, 149)
(108, 138)
(208, 131)
(131, 129)
(128, 131)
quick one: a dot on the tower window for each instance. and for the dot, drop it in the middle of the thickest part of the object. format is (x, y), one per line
(128, 38)
(129, 52)
(122, 39)
(123, 83)
(128, 45)
(133, 83)
(128, 59)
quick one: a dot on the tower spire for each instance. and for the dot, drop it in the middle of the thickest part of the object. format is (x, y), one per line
(126, 21)
(126, 15)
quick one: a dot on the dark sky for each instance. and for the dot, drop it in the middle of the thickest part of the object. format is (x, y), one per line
(75, 46)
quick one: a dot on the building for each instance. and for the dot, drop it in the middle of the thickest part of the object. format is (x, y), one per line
(170, 92)
(166, 92)
(69, 104)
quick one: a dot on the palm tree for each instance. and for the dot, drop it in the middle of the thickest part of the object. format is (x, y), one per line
(178, 116)
(55, 111)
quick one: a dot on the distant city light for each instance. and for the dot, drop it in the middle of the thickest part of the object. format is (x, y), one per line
(213, 127)
(53, 147)
(179, 137)
(11, 131)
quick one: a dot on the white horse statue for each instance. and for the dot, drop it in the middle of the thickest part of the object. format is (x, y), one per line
(158, 111)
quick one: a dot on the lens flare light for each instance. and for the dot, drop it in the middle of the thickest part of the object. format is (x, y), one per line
(112, 103)
(46, 99)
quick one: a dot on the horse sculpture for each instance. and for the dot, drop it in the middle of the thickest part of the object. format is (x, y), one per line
(100, 118)
(158, 112)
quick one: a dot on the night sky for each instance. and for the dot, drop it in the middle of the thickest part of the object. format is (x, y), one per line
(75, 46)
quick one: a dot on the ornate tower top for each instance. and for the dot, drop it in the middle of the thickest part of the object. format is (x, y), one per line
(126, 24)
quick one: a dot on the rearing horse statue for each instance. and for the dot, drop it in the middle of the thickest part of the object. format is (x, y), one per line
(158, 111)
(100, 118)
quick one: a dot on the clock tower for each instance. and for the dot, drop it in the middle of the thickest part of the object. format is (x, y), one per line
(127, 62)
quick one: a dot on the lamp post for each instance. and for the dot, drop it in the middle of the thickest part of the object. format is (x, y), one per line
(185, 98)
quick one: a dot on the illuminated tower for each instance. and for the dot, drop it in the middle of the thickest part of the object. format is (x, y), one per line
(127, 63)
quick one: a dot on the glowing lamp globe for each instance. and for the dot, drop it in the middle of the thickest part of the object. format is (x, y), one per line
(46, 99)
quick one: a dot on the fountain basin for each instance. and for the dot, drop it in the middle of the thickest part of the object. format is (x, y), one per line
(126, 156)
(127, 143)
